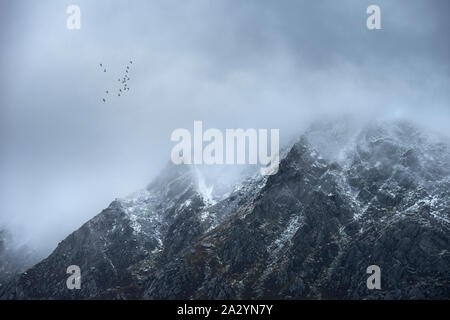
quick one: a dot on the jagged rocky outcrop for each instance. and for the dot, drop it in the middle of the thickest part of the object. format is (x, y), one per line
(342, 200)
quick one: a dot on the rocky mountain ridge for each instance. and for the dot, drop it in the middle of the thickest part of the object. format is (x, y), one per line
(342, 200)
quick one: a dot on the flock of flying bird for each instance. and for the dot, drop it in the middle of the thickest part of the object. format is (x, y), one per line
(123, 80)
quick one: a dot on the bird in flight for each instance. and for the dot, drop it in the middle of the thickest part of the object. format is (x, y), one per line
(123, 80)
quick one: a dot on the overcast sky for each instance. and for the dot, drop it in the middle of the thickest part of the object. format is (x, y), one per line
(253, 64)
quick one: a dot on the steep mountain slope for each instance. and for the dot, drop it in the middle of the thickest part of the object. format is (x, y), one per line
(342, 200)
(316, 226)
(126, 232)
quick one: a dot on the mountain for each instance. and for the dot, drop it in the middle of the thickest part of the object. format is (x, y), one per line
(342, 200)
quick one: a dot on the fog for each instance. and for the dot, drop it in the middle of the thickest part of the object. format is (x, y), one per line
(65, 155)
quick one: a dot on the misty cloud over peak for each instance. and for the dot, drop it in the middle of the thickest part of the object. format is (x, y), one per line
(231, 64)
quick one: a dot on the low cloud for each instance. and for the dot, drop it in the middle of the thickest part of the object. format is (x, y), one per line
(231, 64)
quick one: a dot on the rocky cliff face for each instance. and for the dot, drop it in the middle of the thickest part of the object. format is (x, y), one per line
(342, 200)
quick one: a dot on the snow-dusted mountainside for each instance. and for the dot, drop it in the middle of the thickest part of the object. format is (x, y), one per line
(170, 213)
(343, 199)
